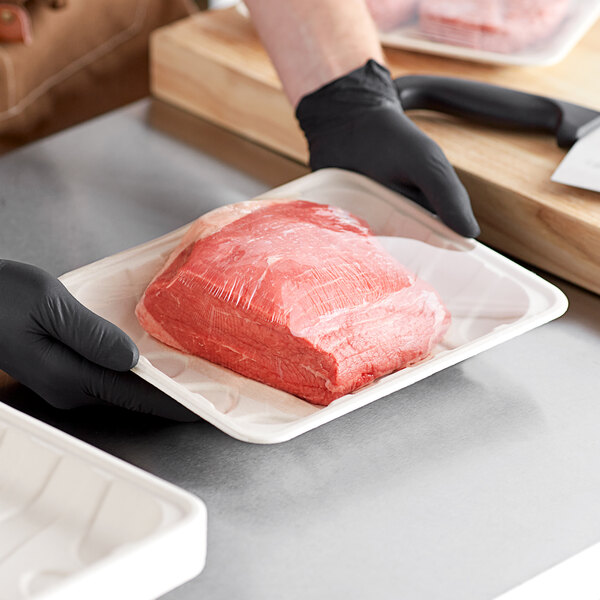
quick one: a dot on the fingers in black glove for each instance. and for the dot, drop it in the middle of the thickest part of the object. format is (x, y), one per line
(67, 354)
(65, 319)
(441, 191)
(76, 382)
(357, 123)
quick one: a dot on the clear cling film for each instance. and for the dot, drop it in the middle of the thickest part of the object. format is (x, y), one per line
(299, 295)
(490, 25)
(503, 26)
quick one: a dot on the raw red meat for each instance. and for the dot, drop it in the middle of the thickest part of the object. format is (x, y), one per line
(389, 14)
(492, 25)
(295, 294)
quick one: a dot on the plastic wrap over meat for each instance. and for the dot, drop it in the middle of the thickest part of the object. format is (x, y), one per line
(298, 295)
(492, 25)
(389, 14)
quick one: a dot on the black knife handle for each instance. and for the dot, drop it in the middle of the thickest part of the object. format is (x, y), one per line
(495, 105)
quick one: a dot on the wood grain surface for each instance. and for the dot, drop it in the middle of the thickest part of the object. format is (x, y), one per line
(214, 66)
(6, 381)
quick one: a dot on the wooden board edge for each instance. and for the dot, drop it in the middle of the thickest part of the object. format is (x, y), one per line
(562, 245)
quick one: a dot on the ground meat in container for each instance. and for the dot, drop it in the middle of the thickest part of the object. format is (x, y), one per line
(298, 295)
(493, 25)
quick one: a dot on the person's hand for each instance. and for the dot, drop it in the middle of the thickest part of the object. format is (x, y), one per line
(67, 354)
(357, 123)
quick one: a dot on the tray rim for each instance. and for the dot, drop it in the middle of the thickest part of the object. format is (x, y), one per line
(121, 570)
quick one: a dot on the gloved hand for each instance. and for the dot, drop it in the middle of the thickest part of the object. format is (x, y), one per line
(67, 354)
(357, 123)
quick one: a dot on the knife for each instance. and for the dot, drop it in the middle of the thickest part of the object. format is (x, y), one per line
(575, 127)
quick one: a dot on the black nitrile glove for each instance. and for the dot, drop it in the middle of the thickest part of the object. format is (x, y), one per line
(357, 123)
(67, 354)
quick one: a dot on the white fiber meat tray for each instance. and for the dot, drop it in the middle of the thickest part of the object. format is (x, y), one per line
(581, 16)
(77, 523)
(491, 300)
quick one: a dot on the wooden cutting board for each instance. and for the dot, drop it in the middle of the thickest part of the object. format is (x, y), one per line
(213, 65)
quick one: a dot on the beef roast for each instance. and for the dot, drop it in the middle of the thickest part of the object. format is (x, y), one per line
(492, 25)
(294, 294)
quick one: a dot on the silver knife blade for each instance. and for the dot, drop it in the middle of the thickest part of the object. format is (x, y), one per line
(581, 166)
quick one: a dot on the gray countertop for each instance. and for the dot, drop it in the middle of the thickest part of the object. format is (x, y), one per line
(460, 486)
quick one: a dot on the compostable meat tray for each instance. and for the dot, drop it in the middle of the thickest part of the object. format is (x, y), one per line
(491, 300)
(580, 17)
(77, 523)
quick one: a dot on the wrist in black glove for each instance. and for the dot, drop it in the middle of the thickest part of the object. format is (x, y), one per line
(357, 123)
(67, 354)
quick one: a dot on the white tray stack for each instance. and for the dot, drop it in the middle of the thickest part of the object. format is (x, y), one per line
(77, 523)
